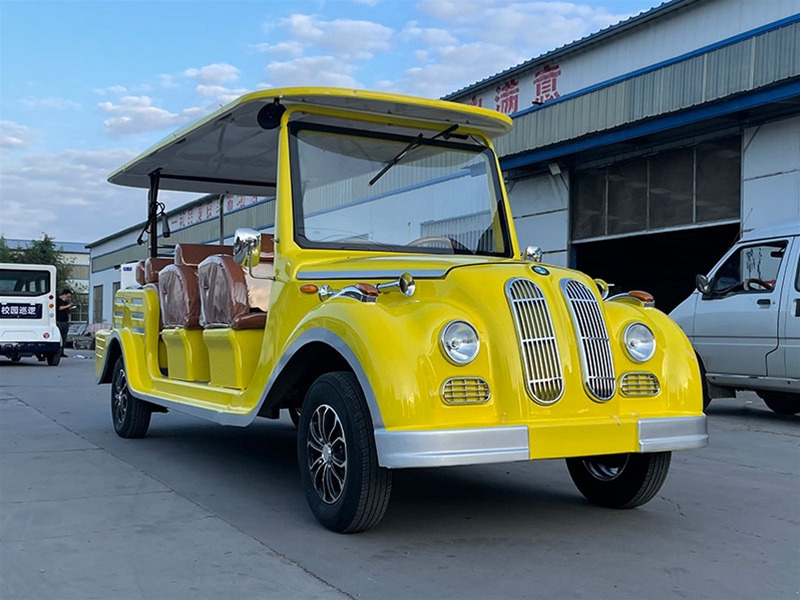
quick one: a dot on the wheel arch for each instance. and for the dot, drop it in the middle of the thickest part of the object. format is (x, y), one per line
(316, 352)
(111, 355)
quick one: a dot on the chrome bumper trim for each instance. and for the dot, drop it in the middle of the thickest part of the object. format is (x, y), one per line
(450, 447)
(678, 433)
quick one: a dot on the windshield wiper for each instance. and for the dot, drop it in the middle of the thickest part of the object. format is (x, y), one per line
(415, 143)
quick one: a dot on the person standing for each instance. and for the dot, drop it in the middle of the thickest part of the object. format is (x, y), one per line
(63, 307)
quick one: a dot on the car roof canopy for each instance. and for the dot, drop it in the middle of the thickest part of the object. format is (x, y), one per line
(228, 152)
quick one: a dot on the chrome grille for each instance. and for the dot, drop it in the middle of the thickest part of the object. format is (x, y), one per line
(537, 341)
(595, 346)
(639, 384)
(465, 390)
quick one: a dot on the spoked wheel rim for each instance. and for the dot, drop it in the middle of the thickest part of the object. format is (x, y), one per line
(120, 404)
(327, 454)
(606, 468)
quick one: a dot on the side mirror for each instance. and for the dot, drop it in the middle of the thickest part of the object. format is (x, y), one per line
(247, 247)
(533, 254)
(702, 284)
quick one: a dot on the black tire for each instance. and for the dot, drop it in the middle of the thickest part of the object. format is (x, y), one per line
(345, 487)
(294, 415)
(53, 360)
(16, 359)
(620, 480)
(782, 403)
(130, 415)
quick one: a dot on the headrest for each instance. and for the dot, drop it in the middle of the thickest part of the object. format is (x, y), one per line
(193, 254)
(223, 291)
(180, 297)
(139, 273)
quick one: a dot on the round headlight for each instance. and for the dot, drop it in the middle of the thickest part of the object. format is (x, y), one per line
(640, 342)
(460, 342)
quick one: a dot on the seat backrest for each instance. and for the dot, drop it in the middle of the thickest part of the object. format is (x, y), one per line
(139, 273)
(153, 266)
(193, 254)
(224, 300)
(179, 297)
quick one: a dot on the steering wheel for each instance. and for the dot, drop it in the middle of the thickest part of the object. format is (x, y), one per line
(434, 241)
(760, 285)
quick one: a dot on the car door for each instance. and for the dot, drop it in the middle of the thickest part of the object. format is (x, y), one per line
(736, 324)
(787, 361)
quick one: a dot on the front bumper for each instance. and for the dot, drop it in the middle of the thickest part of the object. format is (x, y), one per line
(451, 447)
(29, 348)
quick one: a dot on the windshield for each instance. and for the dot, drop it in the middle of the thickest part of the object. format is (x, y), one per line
(377, 191)
(19, 282)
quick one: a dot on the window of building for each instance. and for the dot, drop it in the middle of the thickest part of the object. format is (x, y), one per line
(97, 304)
(688, 186)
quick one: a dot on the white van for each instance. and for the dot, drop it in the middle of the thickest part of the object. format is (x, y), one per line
(28, 314)
(744, 319)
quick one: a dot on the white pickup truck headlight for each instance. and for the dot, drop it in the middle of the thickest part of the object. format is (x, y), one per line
(460, 343)
(640, 342)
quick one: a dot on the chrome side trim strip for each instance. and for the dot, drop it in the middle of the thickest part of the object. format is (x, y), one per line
(675, 433)
(450, 447)
(375, 274)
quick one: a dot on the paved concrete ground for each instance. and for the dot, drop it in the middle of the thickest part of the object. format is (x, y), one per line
(202, 511)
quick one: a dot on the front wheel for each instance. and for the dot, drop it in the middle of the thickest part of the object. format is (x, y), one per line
(131, 416)
(620, 480)
(53, 360)
(782, 403)
(345, 487)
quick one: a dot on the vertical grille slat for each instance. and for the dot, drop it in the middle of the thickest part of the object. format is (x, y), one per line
(595, 345)
(537, 341)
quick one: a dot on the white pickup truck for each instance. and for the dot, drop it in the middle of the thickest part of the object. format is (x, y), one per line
(744, 319)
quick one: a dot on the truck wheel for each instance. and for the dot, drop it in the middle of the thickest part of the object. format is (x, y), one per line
(345, 487)
(620, 480)
(704, 381)
(782, 403)
(131, 416)
(53, 360)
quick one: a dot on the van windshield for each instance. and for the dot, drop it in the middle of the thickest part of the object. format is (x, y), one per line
(387, 192)
(19, 282)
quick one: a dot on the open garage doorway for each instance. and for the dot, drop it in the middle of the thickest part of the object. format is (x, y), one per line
(664, 264)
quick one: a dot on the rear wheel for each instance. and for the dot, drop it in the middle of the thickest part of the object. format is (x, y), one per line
(53, 360)
(620, 480)
(782, 403)
(16, 358)
(131, 416)
(345, 487)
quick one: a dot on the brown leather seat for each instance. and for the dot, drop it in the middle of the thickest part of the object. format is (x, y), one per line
(139, 273)
(179, 296)
(153, 266)
(225, 298)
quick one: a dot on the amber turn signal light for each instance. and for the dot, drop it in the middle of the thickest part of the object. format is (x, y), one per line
(643, 296)
(309, 288)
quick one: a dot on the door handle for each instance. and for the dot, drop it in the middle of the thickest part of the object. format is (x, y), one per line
(797, 307)
(764, 302)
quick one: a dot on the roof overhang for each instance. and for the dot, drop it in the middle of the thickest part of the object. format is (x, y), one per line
(228, 152)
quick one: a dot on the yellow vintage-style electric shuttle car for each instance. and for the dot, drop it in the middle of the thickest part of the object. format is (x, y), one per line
(391, 312)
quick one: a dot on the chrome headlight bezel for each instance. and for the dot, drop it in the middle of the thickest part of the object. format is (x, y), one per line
(633, 349)
(449, 347)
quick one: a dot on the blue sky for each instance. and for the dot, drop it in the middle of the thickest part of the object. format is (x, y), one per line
(85, 86)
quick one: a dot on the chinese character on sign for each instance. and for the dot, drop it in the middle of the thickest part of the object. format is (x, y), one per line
(209, 214)
(507, 97)
(229, 204)
(475, 101)
(14, 310)
(5, 310)
(545, 82)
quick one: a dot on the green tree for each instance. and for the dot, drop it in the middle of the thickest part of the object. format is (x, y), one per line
(40, 252)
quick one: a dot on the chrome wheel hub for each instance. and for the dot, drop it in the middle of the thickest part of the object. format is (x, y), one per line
(120, 403)
(327, 454)
(606, 468)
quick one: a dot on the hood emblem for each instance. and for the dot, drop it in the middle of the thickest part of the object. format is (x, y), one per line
(540, 270)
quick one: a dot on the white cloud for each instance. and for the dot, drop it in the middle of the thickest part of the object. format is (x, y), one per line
(67, 196)
(428, 36)
(281, 50)
(220, 95)
(322, 70)
(136, 114)
(346, 38)
(51, 103)
(215, 74)
(114, 89)
(14, 136)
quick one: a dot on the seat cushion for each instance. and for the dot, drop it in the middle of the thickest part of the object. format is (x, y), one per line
(179, 296)
(223, 291)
